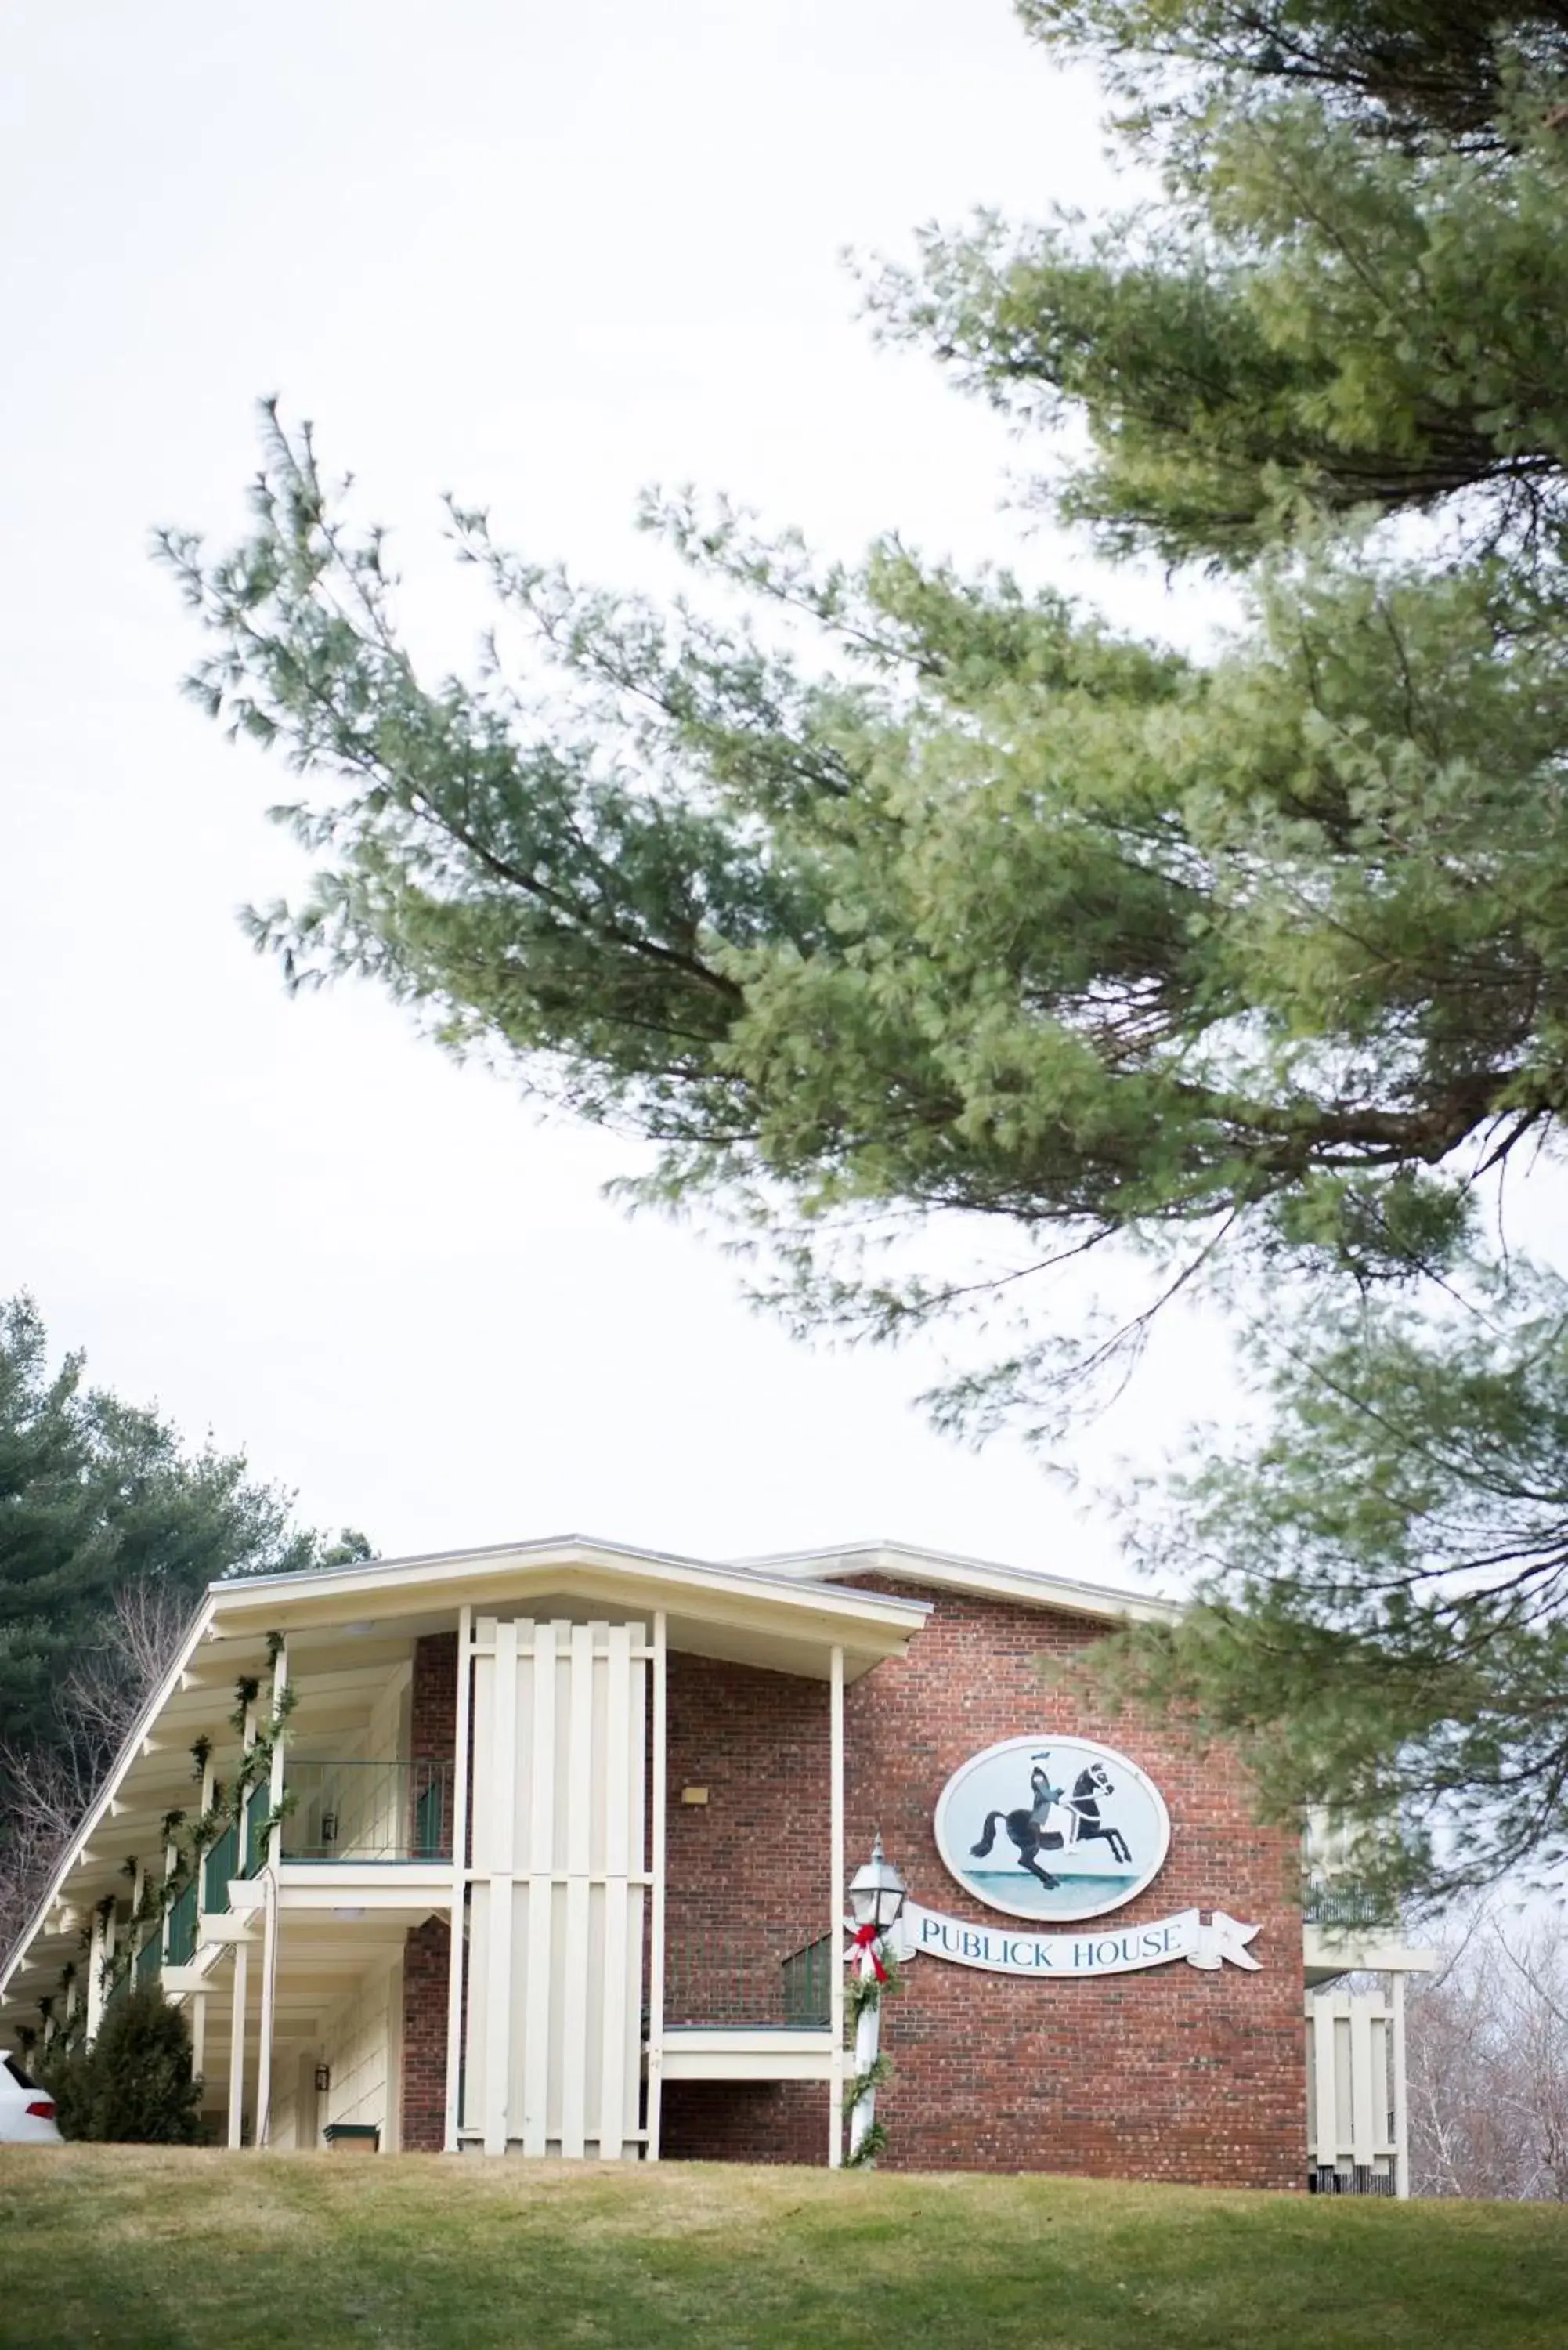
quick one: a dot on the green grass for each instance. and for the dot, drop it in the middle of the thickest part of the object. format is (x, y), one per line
(142, 2250)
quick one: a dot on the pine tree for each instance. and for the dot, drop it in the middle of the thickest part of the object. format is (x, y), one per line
(110, 1529)
(882, 896)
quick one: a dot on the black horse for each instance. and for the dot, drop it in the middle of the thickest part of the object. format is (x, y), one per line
(1087, 1789)
(1026, 1829)
(1029, 1835)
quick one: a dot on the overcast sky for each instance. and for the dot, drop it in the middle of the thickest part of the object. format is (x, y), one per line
(541, 257)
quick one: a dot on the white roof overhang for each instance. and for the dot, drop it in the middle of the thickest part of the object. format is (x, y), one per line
(789, 1623)
(946, 1571)
(346, 1624)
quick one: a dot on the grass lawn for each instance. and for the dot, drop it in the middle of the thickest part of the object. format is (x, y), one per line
(143, 2250)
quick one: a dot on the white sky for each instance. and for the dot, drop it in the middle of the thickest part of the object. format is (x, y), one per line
(541, 257)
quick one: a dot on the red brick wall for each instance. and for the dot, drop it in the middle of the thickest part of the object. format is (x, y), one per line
(747, 1873)
(744, 2121)
(432, 1736)
(1163, 2073)
(432, 1713)
(426, 1972)
(1169, 2072)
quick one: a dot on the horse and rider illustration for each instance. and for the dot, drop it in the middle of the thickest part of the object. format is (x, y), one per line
(1056, 1821)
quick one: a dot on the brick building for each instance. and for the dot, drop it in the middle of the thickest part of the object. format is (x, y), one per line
(636, 1785)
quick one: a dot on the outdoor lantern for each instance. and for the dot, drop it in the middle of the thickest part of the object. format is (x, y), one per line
(323, 2078)
(877, 1891)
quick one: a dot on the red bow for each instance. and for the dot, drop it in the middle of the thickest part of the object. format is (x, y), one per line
(866, 1939)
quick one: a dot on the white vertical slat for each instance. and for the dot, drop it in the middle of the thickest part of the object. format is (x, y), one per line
(637, 1895)
(612, 2114)
(580, 1792)
(656, 1866)
(541, 1861)
(458, 1878)
(500, 1798)
(1401, 2100)
(1363, 2140)
(835, 1903)
(501, 1860)
(1324, 2072)
(540, 1857)
(580, 1750)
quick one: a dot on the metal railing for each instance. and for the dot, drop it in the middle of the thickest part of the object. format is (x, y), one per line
(221, 1863)
(258, 1819)
(183, 1912)
(758, 1978)
(1343, 1902)
(808, 1984)
(367, 1811)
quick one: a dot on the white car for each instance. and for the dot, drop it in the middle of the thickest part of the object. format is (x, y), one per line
(26, 2115)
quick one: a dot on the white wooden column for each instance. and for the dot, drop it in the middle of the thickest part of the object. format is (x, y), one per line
(237, 2044)
(459, 1770)
(199, 2004)
(268, 2013)
(658, 1800)
(96, 1956)
(242, 1970)
(835, 1923)
(271, 1920)
(275, 1777)
(110, 1943)
(170, 1859)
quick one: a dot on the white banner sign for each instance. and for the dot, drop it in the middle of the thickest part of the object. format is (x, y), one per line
(1008, 1950)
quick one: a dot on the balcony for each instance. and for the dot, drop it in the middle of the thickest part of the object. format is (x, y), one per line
(747, 2005)
(766, 1980)
(368, 1812)
(1342, 1902)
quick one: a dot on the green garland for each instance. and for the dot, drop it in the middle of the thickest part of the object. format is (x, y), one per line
(192, 1839)
(866, 1993)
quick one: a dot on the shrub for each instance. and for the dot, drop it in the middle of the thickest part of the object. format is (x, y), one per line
(69, 2078)
(134, 2086)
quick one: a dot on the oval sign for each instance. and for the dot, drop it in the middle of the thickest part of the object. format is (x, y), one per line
(1052, 1828)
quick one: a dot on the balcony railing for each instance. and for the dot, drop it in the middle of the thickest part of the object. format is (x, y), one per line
(221, 1863)
(258, 1819)
(1342, 1902)
(807, 1983)
(758, 1979)
(183, 1912)
(148, 1961)
(367, 1811)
